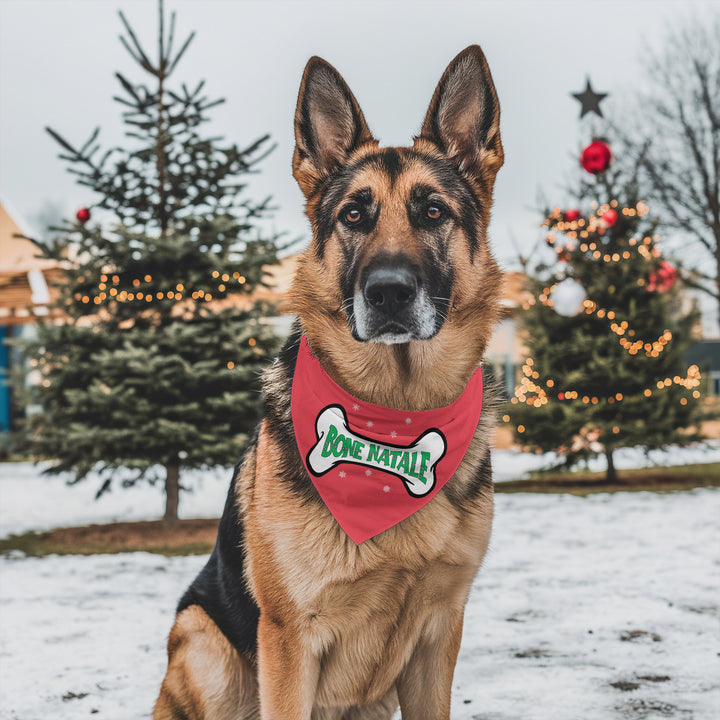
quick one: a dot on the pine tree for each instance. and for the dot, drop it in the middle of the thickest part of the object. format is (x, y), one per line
(609, 372)
(154, 363)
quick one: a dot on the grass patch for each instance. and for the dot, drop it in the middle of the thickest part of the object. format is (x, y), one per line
(656, 479)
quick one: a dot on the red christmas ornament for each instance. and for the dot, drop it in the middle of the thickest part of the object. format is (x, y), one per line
(596, 157)
(572, 215)
(610, 217)
(662, 279)
(83, 215)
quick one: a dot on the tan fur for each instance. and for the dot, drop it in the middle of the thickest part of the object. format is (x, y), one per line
(347, 631)
(206, 678)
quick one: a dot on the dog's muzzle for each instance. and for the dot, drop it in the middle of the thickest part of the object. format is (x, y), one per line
(391, 305)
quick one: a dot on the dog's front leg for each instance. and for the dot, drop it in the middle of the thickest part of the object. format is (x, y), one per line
(425, 685)
(287, 672)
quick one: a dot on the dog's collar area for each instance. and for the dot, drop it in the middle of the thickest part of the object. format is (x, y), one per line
(375, 466)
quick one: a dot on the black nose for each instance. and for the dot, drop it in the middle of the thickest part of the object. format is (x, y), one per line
(390, 289)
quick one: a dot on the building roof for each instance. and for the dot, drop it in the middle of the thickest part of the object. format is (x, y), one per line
(23, 274)
(18, 254)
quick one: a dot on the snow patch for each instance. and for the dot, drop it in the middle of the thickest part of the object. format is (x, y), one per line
(581, 606)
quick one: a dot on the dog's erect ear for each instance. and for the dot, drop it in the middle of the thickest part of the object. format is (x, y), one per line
(329, 124)
(464, 115)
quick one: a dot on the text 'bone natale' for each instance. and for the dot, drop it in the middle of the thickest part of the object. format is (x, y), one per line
(337, 443)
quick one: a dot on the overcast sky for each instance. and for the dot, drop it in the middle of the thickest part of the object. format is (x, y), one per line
(58, 58)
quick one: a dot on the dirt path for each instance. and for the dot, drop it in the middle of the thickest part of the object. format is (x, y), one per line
(186, 537)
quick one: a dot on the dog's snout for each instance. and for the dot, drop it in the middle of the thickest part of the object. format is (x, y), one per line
(390, 303)
(390, 289)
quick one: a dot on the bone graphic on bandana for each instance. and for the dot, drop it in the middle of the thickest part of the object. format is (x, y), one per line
(336, 443)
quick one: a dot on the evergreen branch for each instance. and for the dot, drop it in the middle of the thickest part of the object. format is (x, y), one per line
(89, 155)
(140, 123)
(203, 108)
(104, 158)
(262, 156)
(161, 34)
(87, 182)
(255, 145)
(171, 37)
(142, 59)
(136, 57)
(92, 139)
(129, 88)
(176, 97)
(123, 101)
(181, 53)
(61, 140)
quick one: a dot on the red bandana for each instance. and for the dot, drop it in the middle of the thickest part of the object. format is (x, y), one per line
(374, 466)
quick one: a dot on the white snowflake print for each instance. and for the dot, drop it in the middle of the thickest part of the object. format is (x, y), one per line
(408, 421)
(370, 423)
(386, 488)
(356, 407)
(393, 434)
(342, 473)
(368, 473)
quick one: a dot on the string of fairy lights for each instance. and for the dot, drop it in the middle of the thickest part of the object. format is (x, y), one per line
(622, 328)
(107, 291)
(597, 223)
(527, 387)
(537, 393)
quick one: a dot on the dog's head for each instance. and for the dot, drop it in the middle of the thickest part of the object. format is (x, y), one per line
(399, 251)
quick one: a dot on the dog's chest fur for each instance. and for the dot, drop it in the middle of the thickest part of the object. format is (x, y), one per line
(362, 608)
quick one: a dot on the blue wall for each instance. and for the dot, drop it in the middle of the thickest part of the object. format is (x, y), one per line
(4, 387)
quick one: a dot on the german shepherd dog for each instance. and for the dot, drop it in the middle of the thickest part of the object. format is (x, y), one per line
(396, 296)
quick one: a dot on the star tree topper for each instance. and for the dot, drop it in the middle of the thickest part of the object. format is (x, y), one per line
(590, 100)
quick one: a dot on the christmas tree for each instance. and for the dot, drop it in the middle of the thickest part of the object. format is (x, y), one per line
(605, 327)
(150, 364)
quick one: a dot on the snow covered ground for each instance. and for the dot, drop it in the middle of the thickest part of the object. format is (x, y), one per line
(596, 608)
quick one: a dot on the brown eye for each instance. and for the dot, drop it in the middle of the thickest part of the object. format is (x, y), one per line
(353, 216)
(434, 212)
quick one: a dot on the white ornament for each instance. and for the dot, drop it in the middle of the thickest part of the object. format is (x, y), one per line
(568, 297)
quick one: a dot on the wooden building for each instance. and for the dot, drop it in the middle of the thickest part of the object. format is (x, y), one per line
(25, 280)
